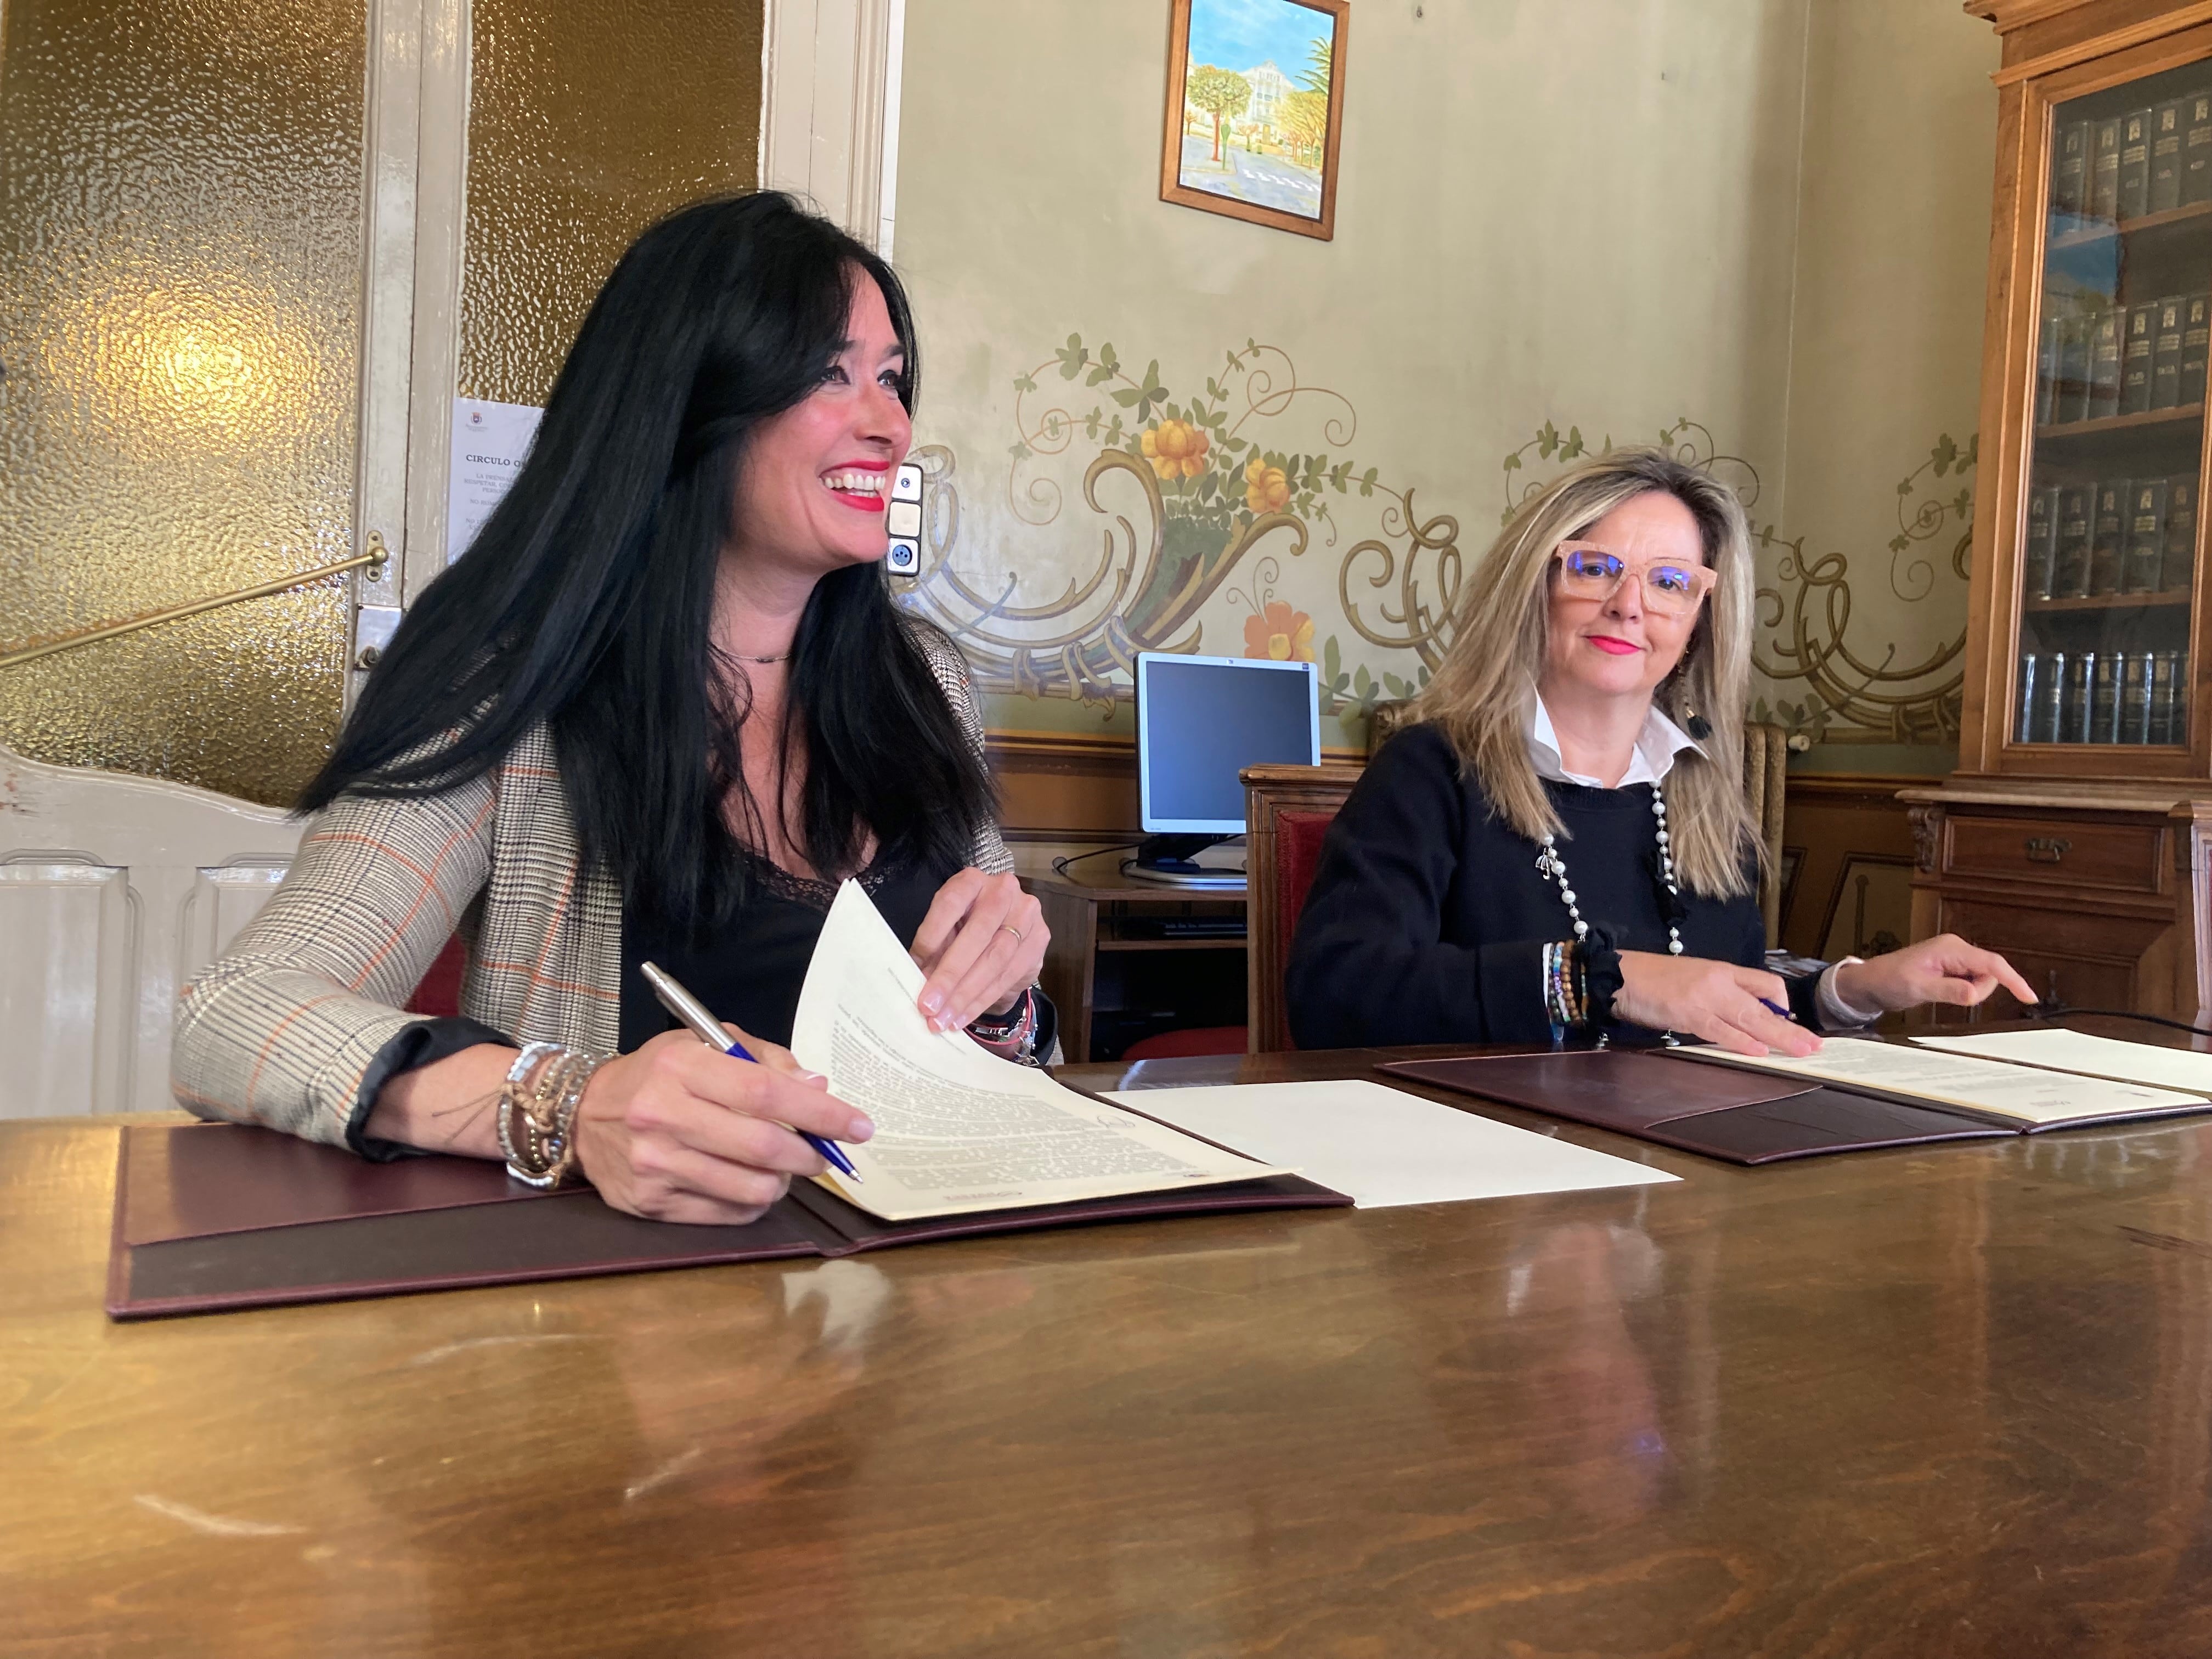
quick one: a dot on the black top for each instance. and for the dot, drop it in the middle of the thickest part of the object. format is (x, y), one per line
(751, 972)
(1427, 918)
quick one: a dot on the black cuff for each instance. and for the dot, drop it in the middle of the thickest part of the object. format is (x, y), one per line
(416, 1046)
(1601, 977)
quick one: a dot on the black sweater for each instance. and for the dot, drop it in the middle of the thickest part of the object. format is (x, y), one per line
(1427, 918)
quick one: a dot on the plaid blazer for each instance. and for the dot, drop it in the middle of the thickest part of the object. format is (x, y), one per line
(282, 1029)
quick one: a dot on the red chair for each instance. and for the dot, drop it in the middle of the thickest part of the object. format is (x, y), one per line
(1287, 812)
(438, 995)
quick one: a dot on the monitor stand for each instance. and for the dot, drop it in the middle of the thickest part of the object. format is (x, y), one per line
(1169, 859)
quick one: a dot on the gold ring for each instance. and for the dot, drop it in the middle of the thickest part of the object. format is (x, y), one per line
(1009, 927)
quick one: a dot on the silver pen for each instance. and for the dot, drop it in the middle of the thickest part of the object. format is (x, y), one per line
(703, 1025)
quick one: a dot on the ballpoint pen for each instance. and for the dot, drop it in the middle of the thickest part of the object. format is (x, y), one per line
(708, 1029)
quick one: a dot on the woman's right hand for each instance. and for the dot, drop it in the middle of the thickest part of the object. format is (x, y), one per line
(675, 1132)
(1716, 1001)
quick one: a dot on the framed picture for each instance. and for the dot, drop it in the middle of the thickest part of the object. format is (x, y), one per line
(1256, 110)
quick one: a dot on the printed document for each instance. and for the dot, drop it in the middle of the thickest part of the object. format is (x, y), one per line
(958, 1129)
(1386, 1147)
(2021, 1095)
(2187, 1069)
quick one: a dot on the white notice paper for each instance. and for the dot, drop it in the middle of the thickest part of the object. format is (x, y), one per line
(490, 441)
(957, 1129)
(1384, 1146)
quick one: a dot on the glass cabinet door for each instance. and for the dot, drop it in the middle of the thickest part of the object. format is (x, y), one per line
(2108, 566)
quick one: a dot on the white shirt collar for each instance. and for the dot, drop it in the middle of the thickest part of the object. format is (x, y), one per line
(1656, 746)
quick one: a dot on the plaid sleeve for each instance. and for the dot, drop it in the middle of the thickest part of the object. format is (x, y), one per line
(989, 853)
(281, 1030)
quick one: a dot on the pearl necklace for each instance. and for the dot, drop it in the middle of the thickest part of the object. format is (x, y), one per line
(1554, 868)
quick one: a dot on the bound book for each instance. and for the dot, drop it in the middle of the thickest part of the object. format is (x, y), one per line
(2104, 699)
(2165, 129)
(2196, 150)
(2180, 560)
(966, 1143)
(2136, 359)
(2135, 697)
(2072, 399)
(2046, 371)
(2069, 167)
(2104, 169)
(2195, 341)
(2039, 553)
(2145, 561)
(2105, 346)
(2135, 164)
(2166, 353)
(2073, 712)
(2070, 564)
(2050, 700)
(2108, 536)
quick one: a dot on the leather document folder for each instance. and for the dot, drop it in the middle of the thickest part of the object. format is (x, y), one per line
(1743, 1117)
(217, 1215)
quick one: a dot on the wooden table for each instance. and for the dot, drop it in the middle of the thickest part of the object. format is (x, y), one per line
(1097, 915)
(1954, 1403)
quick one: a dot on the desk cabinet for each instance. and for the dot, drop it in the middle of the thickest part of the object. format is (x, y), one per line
(1112, 975)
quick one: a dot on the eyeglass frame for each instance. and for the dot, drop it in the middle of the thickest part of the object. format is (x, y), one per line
(1705, 576)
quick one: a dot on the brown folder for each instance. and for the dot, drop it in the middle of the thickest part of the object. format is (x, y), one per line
(216, 1216)
(1742, 1117)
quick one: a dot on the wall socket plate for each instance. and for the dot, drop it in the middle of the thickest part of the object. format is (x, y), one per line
(902, 521)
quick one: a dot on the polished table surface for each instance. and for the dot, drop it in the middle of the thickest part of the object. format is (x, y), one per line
(1950, 1402)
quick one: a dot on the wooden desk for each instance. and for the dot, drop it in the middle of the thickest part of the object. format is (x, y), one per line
(1895, 1406)
(1091, 910)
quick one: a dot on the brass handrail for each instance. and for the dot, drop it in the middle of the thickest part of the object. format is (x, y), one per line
(377, 554)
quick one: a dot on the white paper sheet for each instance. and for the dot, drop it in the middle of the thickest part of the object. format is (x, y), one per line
(1993, 1088)
(490, 442)
(2092, 1056)
(1384, 1146)
(957, 1129)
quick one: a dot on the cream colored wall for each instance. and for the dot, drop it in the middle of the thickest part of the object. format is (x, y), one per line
(1885, 363)
(1575, 212)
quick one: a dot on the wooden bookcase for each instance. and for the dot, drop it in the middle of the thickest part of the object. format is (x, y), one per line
(2074, 835)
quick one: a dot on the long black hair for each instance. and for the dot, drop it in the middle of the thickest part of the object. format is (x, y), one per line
(585, 600)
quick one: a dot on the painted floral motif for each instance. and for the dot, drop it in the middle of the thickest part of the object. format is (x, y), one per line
(1176, 450)
(1281, 632)
(1266, 489)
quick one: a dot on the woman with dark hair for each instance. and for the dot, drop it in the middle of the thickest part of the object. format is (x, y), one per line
(660, 707)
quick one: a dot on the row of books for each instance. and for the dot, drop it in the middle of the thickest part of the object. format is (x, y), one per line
(2148, 160)
(2116, 536)
(2103, 696)
(2125, 361)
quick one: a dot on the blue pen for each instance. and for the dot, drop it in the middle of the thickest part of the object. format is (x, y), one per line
(708, 1029)
(1771, 1009)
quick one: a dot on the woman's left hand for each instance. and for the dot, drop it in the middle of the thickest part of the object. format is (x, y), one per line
(1945, 969)
(981, 945)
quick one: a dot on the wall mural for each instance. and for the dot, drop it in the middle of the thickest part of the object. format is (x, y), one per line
(1211, 494)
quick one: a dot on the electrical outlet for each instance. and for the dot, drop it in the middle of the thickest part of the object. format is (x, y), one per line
(902, 520)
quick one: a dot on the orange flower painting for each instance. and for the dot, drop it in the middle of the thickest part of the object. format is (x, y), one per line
(1266, 489)
(1176, 450)
(1279, 632)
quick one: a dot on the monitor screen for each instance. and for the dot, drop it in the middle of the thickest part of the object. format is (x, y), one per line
(1201, 720)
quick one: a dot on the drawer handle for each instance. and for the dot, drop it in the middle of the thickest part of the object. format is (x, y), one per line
(2047, 849)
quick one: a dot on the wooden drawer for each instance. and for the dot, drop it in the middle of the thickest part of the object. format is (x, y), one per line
(2066, 852)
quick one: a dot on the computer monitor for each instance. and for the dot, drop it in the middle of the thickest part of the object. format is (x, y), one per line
(1199, 721)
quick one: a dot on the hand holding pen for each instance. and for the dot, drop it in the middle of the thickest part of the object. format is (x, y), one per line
(674, 1132)
(700, 1021)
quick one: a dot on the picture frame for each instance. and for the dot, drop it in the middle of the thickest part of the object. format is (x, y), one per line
(1284, 174)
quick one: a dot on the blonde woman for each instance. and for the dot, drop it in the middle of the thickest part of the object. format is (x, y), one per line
(1561, 844)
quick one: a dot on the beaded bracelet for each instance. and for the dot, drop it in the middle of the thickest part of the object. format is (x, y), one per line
(538, 1106)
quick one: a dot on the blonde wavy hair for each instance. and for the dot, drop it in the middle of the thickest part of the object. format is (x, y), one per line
(1484, 694)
